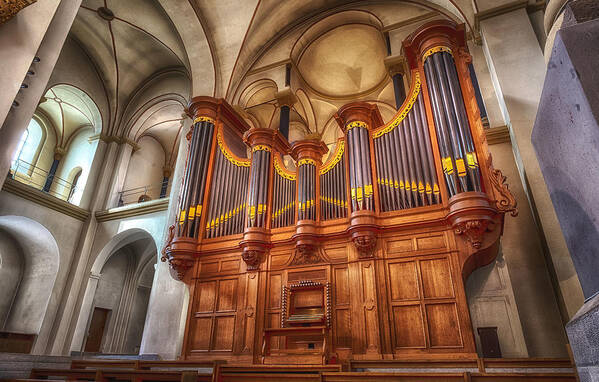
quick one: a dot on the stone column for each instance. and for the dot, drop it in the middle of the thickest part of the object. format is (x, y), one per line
(285, 100)
(565, 137)
(58, 153)
(20, 41)
(167, 308)
(517, 70)
(396, 66)
(127, 148)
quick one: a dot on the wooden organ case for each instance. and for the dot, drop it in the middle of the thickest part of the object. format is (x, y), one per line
(392, 224)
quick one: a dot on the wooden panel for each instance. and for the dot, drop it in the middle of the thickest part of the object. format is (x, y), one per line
(443, 325)
(436, 278)
(274, 300)
(341, 286)
(315, 275)
(209, 267)
(227, 295)
(274, 321)
(207, 296)
(399, 246)
(229, 265)
(430, 242)
(223, 333)
(279, 260)
(202, 327)
(337, 254)
(308, 298)
(403, 278)
(409, 328)
(343, 332)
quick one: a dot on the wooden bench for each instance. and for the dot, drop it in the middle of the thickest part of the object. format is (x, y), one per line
(296, 356)
(448, 377)
(119, 374)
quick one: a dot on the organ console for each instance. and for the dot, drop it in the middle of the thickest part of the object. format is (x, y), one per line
(394, 221)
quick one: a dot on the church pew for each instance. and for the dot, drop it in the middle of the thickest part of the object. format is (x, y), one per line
(258, 377)
(119, 374)
(447, 377)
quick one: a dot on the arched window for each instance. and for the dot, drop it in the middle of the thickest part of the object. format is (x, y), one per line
(74, 186)
(29, 146)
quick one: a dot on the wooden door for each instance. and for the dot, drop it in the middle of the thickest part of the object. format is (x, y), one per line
(96, 330)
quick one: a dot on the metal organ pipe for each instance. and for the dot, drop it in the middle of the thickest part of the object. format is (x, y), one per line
(226, 213)
(453, 130)
(333, 198)
(406, 171)
(194, 181)
(359, 168)
(283, 195)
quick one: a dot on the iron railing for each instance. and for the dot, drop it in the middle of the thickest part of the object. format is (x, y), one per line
(142, 194)
(36, 177)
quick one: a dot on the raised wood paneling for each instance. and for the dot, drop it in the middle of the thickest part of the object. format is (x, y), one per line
(223, 333)
(409, 327)
(443, 325)
(227, 295)
(206, 292)
(202, 331)
(404, 284)
(274, 298)
(436, 278)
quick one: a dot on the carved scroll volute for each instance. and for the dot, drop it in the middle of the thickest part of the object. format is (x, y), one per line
(504, 199)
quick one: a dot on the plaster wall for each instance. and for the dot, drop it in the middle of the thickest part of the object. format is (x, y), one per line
(145, 169)
(138, 318)
(492, 304)
(65, 230)
(517, 69)
(521, 247)
(11, 272)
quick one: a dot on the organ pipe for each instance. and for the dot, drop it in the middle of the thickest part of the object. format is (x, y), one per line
(333, 198)
(459, 159)
(194, 180)
(283, 203)
(227, 203)
(258, 195)
(361, 189)
(404, 161)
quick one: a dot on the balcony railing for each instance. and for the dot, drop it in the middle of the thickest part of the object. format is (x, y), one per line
(142, 194)
(36, 177)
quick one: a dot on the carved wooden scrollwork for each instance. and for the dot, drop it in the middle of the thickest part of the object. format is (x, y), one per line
(505, 202)
(306, 254)
(180, 266)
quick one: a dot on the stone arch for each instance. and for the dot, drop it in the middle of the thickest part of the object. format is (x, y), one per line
(127, 252)
(39, 266)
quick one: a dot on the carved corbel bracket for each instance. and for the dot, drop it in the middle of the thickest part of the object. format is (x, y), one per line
(365, 242)
(253, 258)
(179, 253)
(255, 246)
(471, 215)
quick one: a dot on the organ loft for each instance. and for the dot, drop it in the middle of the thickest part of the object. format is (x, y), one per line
(294, 254)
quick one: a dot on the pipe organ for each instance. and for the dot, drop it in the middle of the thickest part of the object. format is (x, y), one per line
(392, 223)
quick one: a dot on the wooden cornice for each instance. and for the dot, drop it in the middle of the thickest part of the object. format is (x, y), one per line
(44, 199)
(497, 135)
(132, 210)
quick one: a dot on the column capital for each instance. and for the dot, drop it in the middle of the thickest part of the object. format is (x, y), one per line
(308, 150)
(285, 97)
(59, 152)
(396, 65)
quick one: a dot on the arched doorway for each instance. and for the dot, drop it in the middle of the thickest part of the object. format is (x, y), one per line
(117, 294)
(29, 261)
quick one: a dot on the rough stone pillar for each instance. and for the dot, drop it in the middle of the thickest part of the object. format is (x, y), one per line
(517, 70)
(565, 137)
(20, 41)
